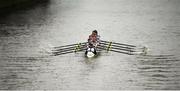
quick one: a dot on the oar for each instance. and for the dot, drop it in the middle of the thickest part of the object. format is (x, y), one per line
(118, 43)
(129, 50)
(115, 48)
(124, 49)
(120, 46)
(55, 54)
(110, 46)
(118, 51)
(64, 50)
(129, 53)
(61, 53)
(71, 45)
(76, 49)
(66, 47)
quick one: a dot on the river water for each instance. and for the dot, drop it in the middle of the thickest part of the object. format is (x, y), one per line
(28, 35)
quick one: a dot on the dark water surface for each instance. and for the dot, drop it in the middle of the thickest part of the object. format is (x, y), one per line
(27, 36)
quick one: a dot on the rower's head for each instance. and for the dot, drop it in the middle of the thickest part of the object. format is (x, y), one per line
(94, 32)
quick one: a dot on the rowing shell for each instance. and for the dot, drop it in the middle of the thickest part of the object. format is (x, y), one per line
(91, 51)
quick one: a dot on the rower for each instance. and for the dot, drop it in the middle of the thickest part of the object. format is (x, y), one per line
(94, 38)
(93, 42)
